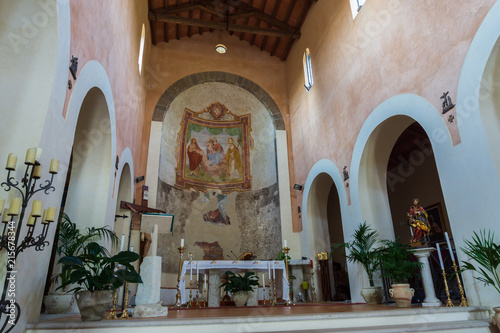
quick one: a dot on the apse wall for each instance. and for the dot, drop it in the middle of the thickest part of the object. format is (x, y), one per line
(219, 210)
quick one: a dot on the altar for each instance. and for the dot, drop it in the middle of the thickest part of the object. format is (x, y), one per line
(192, 269)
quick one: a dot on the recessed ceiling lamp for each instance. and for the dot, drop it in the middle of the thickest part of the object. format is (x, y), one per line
(221, 48)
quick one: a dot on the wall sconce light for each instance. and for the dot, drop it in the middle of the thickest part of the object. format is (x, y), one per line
(221, 48)
(298, 187)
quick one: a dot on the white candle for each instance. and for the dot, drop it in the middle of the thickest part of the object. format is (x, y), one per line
(190, 271)
(263, 281)
(11, 162)
(2, 203)
(131, 249)
(440, 257)
(54, 166)
(274, 271)
(15, 206)
(123, 241)
(30, 156)
(449, 246)
(205, 282)
(51, 214)
(197, 270)
(284, 243)
(38, 155)
(182, 242)
(31, 220)
(36, 209)
(269, 269)
(37, 172)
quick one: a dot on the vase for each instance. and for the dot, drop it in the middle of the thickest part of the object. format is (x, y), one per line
(60, 303)
(372, 295)
(93, 304)
(240, 298)
(496, 316)
(402, 294)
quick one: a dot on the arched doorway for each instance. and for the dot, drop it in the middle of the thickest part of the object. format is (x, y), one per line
(323, 228)
(88, 189)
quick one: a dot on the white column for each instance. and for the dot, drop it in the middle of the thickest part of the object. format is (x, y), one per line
(430, 295)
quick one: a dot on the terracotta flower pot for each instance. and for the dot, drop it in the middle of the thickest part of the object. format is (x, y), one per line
(496, 316)
(372, 295)
(93, 304)
(402, 294)
(240, 298)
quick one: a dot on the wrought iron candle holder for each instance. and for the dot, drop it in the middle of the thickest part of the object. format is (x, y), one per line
(178, 303)
(10, 240)
(463, 301)
(289, 301)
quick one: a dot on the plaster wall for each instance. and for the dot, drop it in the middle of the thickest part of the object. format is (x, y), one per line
(391, 47)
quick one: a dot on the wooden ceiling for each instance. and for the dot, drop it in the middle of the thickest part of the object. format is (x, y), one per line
(271, 25)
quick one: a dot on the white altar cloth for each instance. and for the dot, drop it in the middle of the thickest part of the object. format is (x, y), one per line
(228, 265)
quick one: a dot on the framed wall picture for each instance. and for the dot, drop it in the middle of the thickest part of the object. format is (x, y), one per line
(436, 221)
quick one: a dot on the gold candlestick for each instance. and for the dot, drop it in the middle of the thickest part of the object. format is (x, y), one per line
(312, 285)
(448, 302)
(190, 304)
(205, 293)
(125, 311)
(270, 291)
(112, 314)
(275, 300)
(289, 301)
(463, 301)
(178, 304)
(197, 303)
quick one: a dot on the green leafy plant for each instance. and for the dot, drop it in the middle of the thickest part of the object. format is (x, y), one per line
(94, 270)
(483, 249)
(238, 282)
(396, 263)
(362, 249)
(72, 241)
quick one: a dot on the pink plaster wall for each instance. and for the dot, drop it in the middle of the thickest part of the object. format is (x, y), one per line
(392, 47)
(109, 32)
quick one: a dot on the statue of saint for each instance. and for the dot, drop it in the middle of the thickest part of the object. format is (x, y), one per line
(417, 219)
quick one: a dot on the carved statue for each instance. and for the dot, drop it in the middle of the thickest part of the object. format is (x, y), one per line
(417, 219)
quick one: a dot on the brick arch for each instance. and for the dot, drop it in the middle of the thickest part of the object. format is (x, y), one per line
(192, 80)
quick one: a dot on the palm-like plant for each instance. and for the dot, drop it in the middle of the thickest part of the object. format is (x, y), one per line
(362, 249)
(72, 242)
(238, 282)
(483, 249)
(397, 266)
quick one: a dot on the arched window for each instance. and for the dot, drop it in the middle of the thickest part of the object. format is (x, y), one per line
(141, 48)
(308, 77)
(356, 6)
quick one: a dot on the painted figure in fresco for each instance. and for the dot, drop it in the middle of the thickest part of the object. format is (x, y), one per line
(419, 223)
(233, 160)
(215, 152)
(195, 156)
(218, 215)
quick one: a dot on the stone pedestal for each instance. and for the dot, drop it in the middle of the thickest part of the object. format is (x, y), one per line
(148, 302)
(430, 295)
(214, 288)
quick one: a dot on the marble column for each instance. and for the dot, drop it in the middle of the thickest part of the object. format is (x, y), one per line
(430, 295)
(214, 288)
(148, 302)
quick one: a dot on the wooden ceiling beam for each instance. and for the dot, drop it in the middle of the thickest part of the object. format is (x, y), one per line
(247, 11)
(275, 10)
(156, 16)
(179, 8)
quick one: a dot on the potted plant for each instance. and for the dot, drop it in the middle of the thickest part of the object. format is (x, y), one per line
(70, 242)
(397, 267)
(97, 275)
(483, 250)
(239, 286)
(362, 250)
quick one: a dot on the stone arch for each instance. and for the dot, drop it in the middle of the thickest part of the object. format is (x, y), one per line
(199, 78)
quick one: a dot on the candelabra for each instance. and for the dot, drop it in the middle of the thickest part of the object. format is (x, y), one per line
(112, 314)
(10, 238)
(448, 302)
(125, 314)
(205, 294)
(178, 303)
(312, 285)
(275, 300)
(463, 301)
(270, 291)
(290, 301)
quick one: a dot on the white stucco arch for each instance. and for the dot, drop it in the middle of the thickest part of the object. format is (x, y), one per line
(93, 75)
(125, 158)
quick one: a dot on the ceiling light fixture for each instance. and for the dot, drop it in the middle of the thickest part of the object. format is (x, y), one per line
(221, 48)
